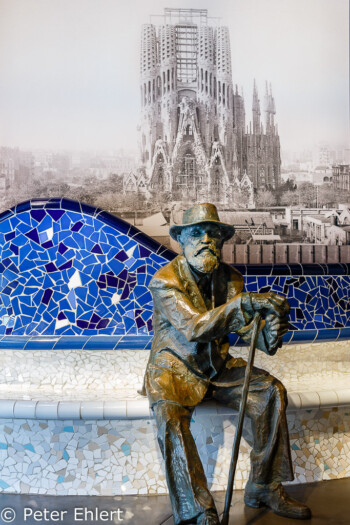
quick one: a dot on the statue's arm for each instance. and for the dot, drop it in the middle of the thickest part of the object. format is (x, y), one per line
(234, 316)
(194, 325)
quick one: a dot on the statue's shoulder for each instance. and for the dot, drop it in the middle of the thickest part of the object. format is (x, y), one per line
(168, 275)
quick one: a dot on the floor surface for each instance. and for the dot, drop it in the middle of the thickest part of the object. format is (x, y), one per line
(329, 502)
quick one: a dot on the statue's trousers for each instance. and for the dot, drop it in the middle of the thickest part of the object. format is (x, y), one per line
(270, 455)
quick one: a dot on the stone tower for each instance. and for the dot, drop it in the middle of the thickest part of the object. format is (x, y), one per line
(260, 145)
(193, 144)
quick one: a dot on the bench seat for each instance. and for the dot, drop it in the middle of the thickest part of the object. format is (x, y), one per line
(104, 384)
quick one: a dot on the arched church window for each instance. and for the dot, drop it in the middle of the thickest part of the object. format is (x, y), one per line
(189, 166)
(160, 177)
(216, 132)
(216, 183)
(189, 130)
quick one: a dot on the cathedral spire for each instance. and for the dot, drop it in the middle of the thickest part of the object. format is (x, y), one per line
(267, 107)
(272, 110)
(256, 110)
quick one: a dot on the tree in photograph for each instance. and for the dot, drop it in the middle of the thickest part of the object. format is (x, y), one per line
(115, 182)
(82, 194)
(306, 192)
(289, 198)
(107, 201)
(265, 199)
(330, 197)
(162, 201)
(117, 201)
(36, 189)
(288, 188)
(244, 197)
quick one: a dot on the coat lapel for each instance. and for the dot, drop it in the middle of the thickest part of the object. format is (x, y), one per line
(190, 285)
(220, 286)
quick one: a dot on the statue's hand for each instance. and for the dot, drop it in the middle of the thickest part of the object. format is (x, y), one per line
(274, 329)
(269, 303)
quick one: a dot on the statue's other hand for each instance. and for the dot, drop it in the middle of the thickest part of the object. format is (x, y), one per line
(270, 303)
(274, 330)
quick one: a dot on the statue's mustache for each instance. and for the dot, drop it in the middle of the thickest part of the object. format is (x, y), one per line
(207, 249)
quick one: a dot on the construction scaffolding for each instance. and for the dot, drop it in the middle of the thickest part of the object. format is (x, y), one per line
(186, 53)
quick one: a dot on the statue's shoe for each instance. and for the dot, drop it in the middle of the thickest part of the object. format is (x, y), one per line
(277, 500)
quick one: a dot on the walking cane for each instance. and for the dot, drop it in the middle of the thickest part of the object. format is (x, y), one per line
(237, 440)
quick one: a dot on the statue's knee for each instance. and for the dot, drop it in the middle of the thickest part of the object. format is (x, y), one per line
(280, 392)
(169, 425)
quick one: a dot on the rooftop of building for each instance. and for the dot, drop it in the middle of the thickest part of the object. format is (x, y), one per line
(342, 167)
(183, 16)
(237, 218)
(319, 218)
(247, 218)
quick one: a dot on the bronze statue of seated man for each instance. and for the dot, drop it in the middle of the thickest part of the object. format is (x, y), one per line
(198, 301)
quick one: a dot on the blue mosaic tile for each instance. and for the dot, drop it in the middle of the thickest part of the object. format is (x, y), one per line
(33, 235)
(302, 336)
(10, 236)
(281, 269)
(328, 334)
(56, 214)
(344, 333)
(38, 215)
(6, 215)
(234, 339)
(13, 343)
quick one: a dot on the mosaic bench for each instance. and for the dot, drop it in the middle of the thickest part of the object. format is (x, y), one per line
(75, 332)
(71, 421)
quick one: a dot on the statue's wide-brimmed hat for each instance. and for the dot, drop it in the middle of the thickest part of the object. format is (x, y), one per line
(198, 214)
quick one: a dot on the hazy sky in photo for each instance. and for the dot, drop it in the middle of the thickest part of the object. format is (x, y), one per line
(69, 70)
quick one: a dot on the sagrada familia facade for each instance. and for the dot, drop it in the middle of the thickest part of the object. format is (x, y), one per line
(194, 142)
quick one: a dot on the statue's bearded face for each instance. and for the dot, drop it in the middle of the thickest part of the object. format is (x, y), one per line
(201, 244)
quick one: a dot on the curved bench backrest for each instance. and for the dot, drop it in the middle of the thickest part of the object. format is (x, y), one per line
(71, 272)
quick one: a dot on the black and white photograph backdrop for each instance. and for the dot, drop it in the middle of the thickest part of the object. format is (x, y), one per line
(144, 108)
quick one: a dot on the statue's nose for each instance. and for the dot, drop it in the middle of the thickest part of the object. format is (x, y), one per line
(206, 238)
